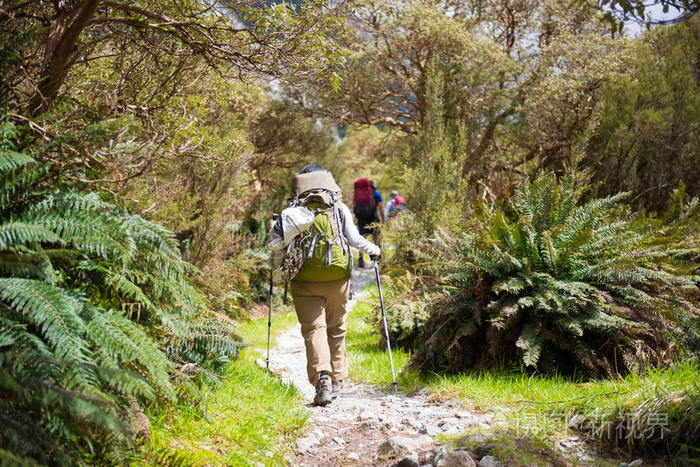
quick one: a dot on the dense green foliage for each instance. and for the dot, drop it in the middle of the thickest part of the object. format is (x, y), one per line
(563, 284)
(95, 313)
(648, 136)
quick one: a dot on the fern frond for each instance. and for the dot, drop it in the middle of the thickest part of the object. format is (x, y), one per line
(563, 281)
(11, 160)
(15, 232)
(51, 310)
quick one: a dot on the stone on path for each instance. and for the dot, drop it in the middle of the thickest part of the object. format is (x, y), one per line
(440, 452)
(458, 458)
(489, 461)
(367, 415)
(429, 429)
(353, 456)
(306, 443)
(396, 446)
(408, 461)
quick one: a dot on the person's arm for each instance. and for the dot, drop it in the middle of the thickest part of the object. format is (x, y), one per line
(353, 235)
(379, 205)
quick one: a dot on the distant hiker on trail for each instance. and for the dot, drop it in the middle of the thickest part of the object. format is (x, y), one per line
(365, 202)
(316, 232)
(378, 200)
(395, 205)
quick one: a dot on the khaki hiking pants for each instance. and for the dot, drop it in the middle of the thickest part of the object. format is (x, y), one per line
(320, 307)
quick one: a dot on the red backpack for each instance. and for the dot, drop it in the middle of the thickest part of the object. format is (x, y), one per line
(364, 204)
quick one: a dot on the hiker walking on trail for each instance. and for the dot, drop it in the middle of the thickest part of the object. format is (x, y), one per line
(366, 202)
(315, 233)
(395, 205)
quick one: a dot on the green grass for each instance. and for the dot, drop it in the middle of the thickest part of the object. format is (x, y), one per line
(366, 360)
(665, 398)
(520, 389)
(254, 331)
(248, 420)
(543, 409)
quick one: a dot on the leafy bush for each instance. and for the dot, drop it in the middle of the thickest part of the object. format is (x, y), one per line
(90, 296)
(560, 285)
(404, 296)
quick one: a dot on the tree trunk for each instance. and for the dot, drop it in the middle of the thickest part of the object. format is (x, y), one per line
(64, 32)
(476, 153)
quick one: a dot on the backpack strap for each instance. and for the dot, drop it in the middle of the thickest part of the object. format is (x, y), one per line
(339, 226)
(312, 246)
(329, 256)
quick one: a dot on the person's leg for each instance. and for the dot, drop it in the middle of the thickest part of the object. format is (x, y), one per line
(336, 315)
(376, 237)
(309, 305)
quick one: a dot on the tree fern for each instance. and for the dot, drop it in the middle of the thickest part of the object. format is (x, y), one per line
(72, 362)
(562, 285)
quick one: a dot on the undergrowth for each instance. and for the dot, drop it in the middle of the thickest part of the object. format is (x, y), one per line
(98, 318)
(562, 282)
(655, 412)
(247, 420)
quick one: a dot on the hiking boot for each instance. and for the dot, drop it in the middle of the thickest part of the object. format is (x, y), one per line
(337, 386)
(323, 390)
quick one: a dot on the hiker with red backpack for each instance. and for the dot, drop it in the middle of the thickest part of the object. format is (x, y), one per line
(311, 242)
(395, 205)
(365, 205)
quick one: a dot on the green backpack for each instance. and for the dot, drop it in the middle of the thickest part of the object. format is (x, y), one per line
(321, 253)
(326, 256)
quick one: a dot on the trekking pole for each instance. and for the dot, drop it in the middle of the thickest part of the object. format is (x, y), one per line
(269, 321)
(394, 384)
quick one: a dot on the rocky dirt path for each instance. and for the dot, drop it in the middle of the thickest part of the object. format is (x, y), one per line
(366, 426)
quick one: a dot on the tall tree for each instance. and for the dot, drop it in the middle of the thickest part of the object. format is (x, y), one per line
(121, 76)
(71, 32)
(521, 77)
(648, 138)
